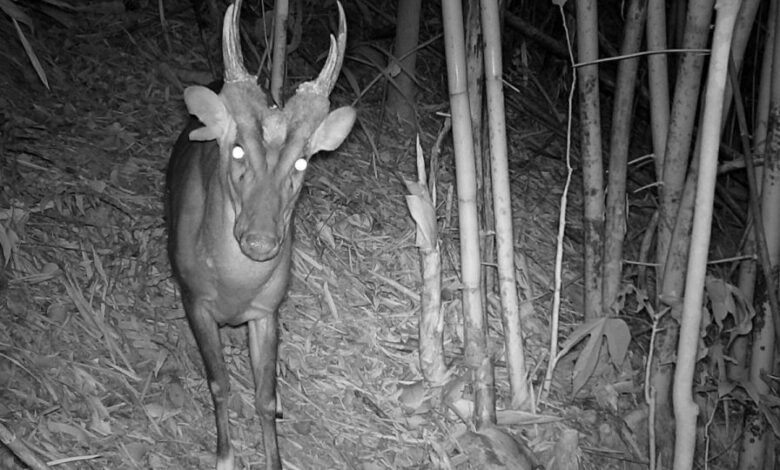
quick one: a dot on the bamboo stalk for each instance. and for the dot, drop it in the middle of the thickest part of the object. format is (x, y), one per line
(618, 156)
(592, 166)
(658, 71)
(477, 357)
(502, 203)
(685, 409)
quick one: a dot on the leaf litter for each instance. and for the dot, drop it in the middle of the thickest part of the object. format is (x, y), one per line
(98, 368)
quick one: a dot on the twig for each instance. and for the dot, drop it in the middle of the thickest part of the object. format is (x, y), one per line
(559, 243)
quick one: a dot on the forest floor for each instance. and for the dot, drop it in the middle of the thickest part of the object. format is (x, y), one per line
(98, 368)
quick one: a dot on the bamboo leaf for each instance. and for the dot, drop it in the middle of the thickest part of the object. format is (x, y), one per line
(15, 12)
(31, 55)
(771, 418)
(8, 241)
(60, 4)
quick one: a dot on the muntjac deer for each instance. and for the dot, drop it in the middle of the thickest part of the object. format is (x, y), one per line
(233, 180)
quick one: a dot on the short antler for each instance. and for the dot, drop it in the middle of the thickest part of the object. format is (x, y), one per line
(231, 47)
(326, 80)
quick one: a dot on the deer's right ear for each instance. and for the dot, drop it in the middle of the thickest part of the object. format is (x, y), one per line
(332, 130)
(208, 107)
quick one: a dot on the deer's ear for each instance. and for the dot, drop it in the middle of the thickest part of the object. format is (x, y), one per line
(208, 107)
(332, 130)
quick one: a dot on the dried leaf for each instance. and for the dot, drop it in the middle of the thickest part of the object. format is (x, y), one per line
(412, 395)
(77, 433)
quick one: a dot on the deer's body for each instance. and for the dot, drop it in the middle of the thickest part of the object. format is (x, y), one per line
(233, 180)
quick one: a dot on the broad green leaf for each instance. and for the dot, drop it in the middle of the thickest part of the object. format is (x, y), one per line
(578, 334)
(726, 299)
(722, 303)
(743, 314)
(588, 359)
(618, 338)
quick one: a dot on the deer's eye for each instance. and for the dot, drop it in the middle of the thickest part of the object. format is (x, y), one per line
(301, 164)
(238, 165)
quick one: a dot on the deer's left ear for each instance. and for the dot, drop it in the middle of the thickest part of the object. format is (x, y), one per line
(332, 130)
(209, 108)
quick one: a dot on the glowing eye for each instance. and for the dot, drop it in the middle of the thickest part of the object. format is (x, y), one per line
(301, 164)
(237, 152)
